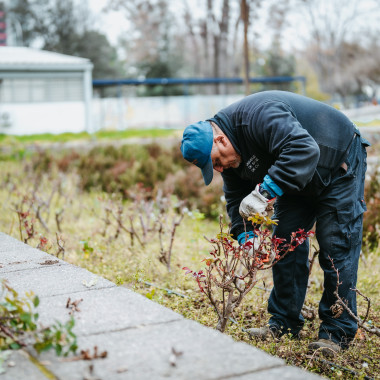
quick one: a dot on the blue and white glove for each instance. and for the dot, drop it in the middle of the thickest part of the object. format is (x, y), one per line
(261, 199)
(245, 237)
(256, 203)
(250, 236)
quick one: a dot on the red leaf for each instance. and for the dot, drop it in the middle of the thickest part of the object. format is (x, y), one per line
(187, 270)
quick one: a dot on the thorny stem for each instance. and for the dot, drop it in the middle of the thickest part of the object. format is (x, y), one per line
(120, 225)
(372, 330)
(119, 221)
(8, 333)
(61, 249)
(163, 257)
(210, 296)
(331, 364)
(281, 257)
(175, 225)
(311, 261)
(133, 232)
(20, 224)
(228, 278)
(58, 219)
(143, 228)
(39, 204)
(368, 302)
(37, 211)
(107, 221)
(145, 208)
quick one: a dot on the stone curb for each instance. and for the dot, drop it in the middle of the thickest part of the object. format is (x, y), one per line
(143, 340)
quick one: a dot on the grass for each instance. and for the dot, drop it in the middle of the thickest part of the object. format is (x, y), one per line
(372, 123)
(89, 232)
(100, 135)
(110, 134)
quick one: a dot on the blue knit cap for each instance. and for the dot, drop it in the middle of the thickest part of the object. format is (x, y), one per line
(196, 147)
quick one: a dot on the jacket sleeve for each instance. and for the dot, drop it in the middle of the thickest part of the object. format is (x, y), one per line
(235, 189)
(274, 126)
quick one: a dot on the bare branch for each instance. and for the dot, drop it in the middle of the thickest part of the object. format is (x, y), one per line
(372, 330)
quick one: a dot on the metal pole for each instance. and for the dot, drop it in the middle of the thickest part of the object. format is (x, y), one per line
(87, 92)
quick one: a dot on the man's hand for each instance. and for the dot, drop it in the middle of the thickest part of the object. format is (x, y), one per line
(255, 245)
(259, 249)
(250, 248)
(256, 203)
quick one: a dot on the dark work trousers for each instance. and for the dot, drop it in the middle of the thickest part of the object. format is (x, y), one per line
(338, 214)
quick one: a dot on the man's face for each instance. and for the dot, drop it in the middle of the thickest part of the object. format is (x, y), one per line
(225, 156)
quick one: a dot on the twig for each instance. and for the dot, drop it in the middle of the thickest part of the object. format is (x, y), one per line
(86, 355)
(343, 368)
(133, 232)
(107, 221)
(368, 302)
(9, 333)
(60, 243)
(119, 221)
(165, 255)
(120, 226)
(311, 261)
(372, 330)
(19, 224)
(73, 305)
(58, 219)
(37, 210)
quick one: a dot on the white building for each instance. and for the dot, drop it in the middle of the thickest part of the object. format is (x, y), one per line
(44, 92)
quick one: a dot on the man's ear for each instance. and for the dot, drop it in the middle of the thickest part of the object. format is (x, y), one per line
(220, 139)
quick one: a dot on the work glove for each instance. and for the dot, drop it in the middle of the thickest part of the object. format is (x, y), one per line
(266, 253)
(255, 245)
(262, 254)
(252, 242)
(256, 203)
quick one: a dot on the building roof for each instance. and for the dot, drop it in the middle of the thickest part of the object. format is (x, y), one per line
(22, 58)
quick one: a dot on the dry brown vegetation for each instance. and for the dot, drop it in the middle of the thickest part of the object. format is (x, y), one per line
(96, 211)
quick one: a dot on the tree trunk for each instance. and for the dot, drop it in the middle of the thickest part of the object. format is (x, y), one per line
(245, 18)
(222, 324)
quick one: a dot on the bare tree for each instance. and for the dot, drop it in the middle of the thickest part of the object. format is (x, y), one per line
(215, 36)
(209, 39)
(245, 18)
(149, 22)
(222, 28)
(337, 48)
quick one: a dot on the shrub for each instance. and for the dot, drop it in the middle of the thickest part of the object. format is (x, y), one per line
(188, 184)
(371, 223)
(231, 270)
(114, 169)
(19, 325)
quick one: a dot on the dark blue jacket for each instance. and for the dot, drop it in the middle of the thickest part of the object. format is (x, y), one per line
(298, 141)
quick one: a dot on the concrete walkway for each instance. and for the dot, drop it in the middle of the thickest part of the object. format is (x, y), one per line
(143, 340)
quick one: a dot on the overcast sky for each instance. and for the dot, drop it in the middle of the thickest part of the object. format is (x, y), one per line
(113, 24)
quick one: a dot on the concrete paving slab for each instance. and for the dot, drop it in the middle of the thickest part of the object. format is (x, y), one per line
(51, 280)
(12, 245)
(105, 310)
(23, 254)
(15, 256)
(25, 265)
(28, 258)
(5, 237)
(19, 367)
(8, 242)
(147, 353)
(143, 340)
